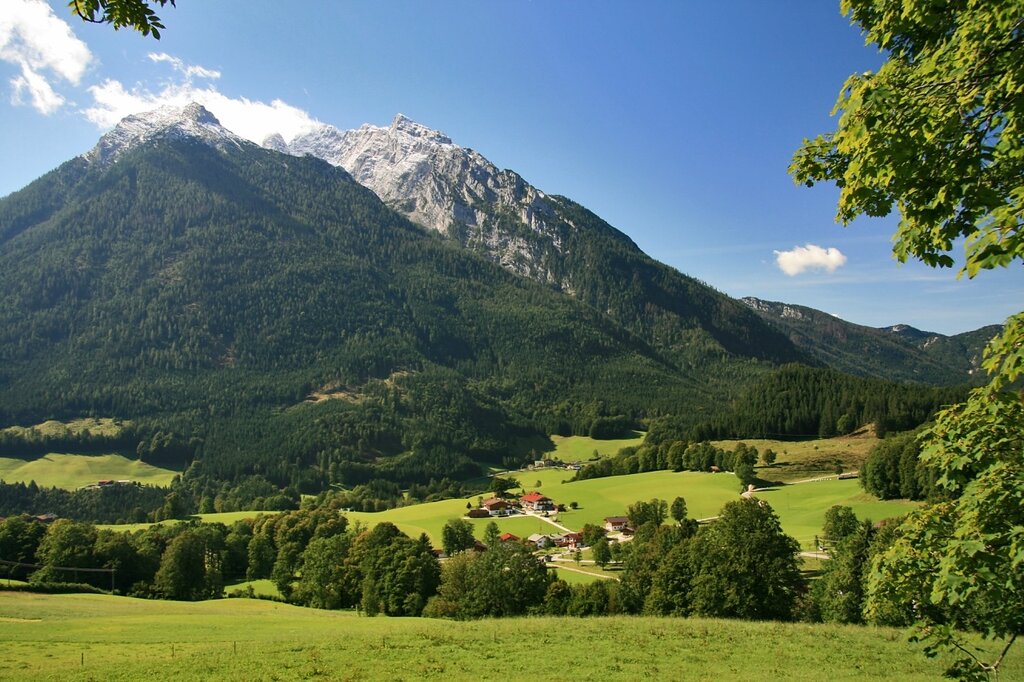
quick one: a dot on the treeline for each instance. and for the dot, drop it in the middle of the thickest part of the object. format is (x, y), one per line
(678, 456)
(127, 503)
(740, 566)
(894, 470)
(805, 402)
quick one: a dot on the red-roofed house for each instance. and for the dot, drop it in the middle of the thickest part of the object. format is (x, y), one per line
(537, 502)
(508, 537)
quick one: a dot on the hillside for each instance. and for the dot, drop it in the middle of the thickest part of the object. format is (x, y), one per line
(899, 352)
(458, 193)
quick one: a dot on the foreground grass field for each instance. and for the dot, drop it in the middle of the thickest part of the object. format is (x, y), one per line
(96, 637)
(71, 471)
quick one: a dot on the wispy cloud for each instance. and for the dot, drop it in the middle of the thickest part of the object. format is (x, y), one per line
(47, 53)
(251, 119)
(45, 49)
(188, 70)
(800, 259)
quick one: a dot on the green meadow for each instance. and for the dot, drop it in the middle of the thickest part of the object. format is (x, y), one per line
(801, 507)
(582, 448)
(71, 471)
(797, 460)
(97, 637)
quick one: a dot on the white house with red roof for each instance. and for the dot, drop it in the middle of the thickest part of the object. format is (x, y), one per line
(536, 502)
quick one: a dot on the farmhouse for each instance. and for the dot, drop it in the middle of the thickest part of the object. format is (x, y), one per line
(508, 537)
(569, 540)
(496, 506)
(615, 524)
(539, 541)
(537, 502)
(478, 513)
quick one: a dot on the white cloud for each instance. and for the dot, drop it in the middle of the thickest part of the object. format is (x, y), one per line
(45, 50)
(43, 97)
(189, 70)
(43, 47)
(809, 257)
(251, 119)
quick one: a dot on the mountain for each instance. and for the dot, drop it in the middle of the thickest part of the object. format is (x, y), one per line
(264, 314)
(899, 352)
(268, 314)
(460, 194)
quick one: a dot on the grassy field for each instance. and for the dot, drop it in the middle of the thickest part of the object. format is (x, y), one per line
(261, 588)
(71, 471)
(798, 460)
(96, 637)
(801, 507)
(101, 427)
(582, 448)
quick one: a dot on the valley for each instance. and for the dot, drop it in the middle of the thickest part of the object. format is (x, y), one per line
(294, 371)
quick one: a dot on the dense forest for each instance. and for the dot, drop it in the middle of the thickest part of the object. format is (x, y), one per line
(797, 401)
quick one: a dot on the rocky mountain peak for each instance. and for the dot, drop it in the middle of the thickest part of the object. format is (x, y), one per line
(192, 120)
(420, 172)
(403, 124)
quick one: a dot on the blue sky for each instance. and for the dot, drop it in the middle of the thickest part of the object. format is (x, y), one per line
(674, 120)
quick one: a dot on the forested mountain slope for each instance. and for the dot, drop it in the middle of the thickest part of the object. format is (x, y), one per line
(459, 193)
(899, 353)
(278, 316)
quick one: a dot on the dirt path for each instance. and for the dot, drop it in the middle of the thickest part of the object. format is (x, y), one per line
(541, 517)
(592, 575)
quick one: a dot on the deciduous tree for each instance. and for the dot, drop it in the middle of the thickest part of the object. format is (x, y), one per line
(937, 133)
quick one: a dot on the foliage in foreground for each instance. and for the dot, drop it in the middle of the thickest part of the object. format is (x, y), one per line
(936, 133)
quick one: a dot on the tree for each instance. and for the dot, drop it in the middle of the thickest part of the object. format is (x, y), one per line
(492, 535)
(602, 552)
(653, 512)
(768, 457)
(135, 14)
(327, 581)
(936, 133)
(457, 536)
(190, 567)
(678, 510)
(840, 591)
(505, 581)
(501, 485)
(743, 565)
(66, 544)
(840, 521)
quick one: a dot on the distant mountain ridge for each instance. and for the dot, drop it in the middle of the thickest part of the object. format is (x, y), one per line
(899, 352)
